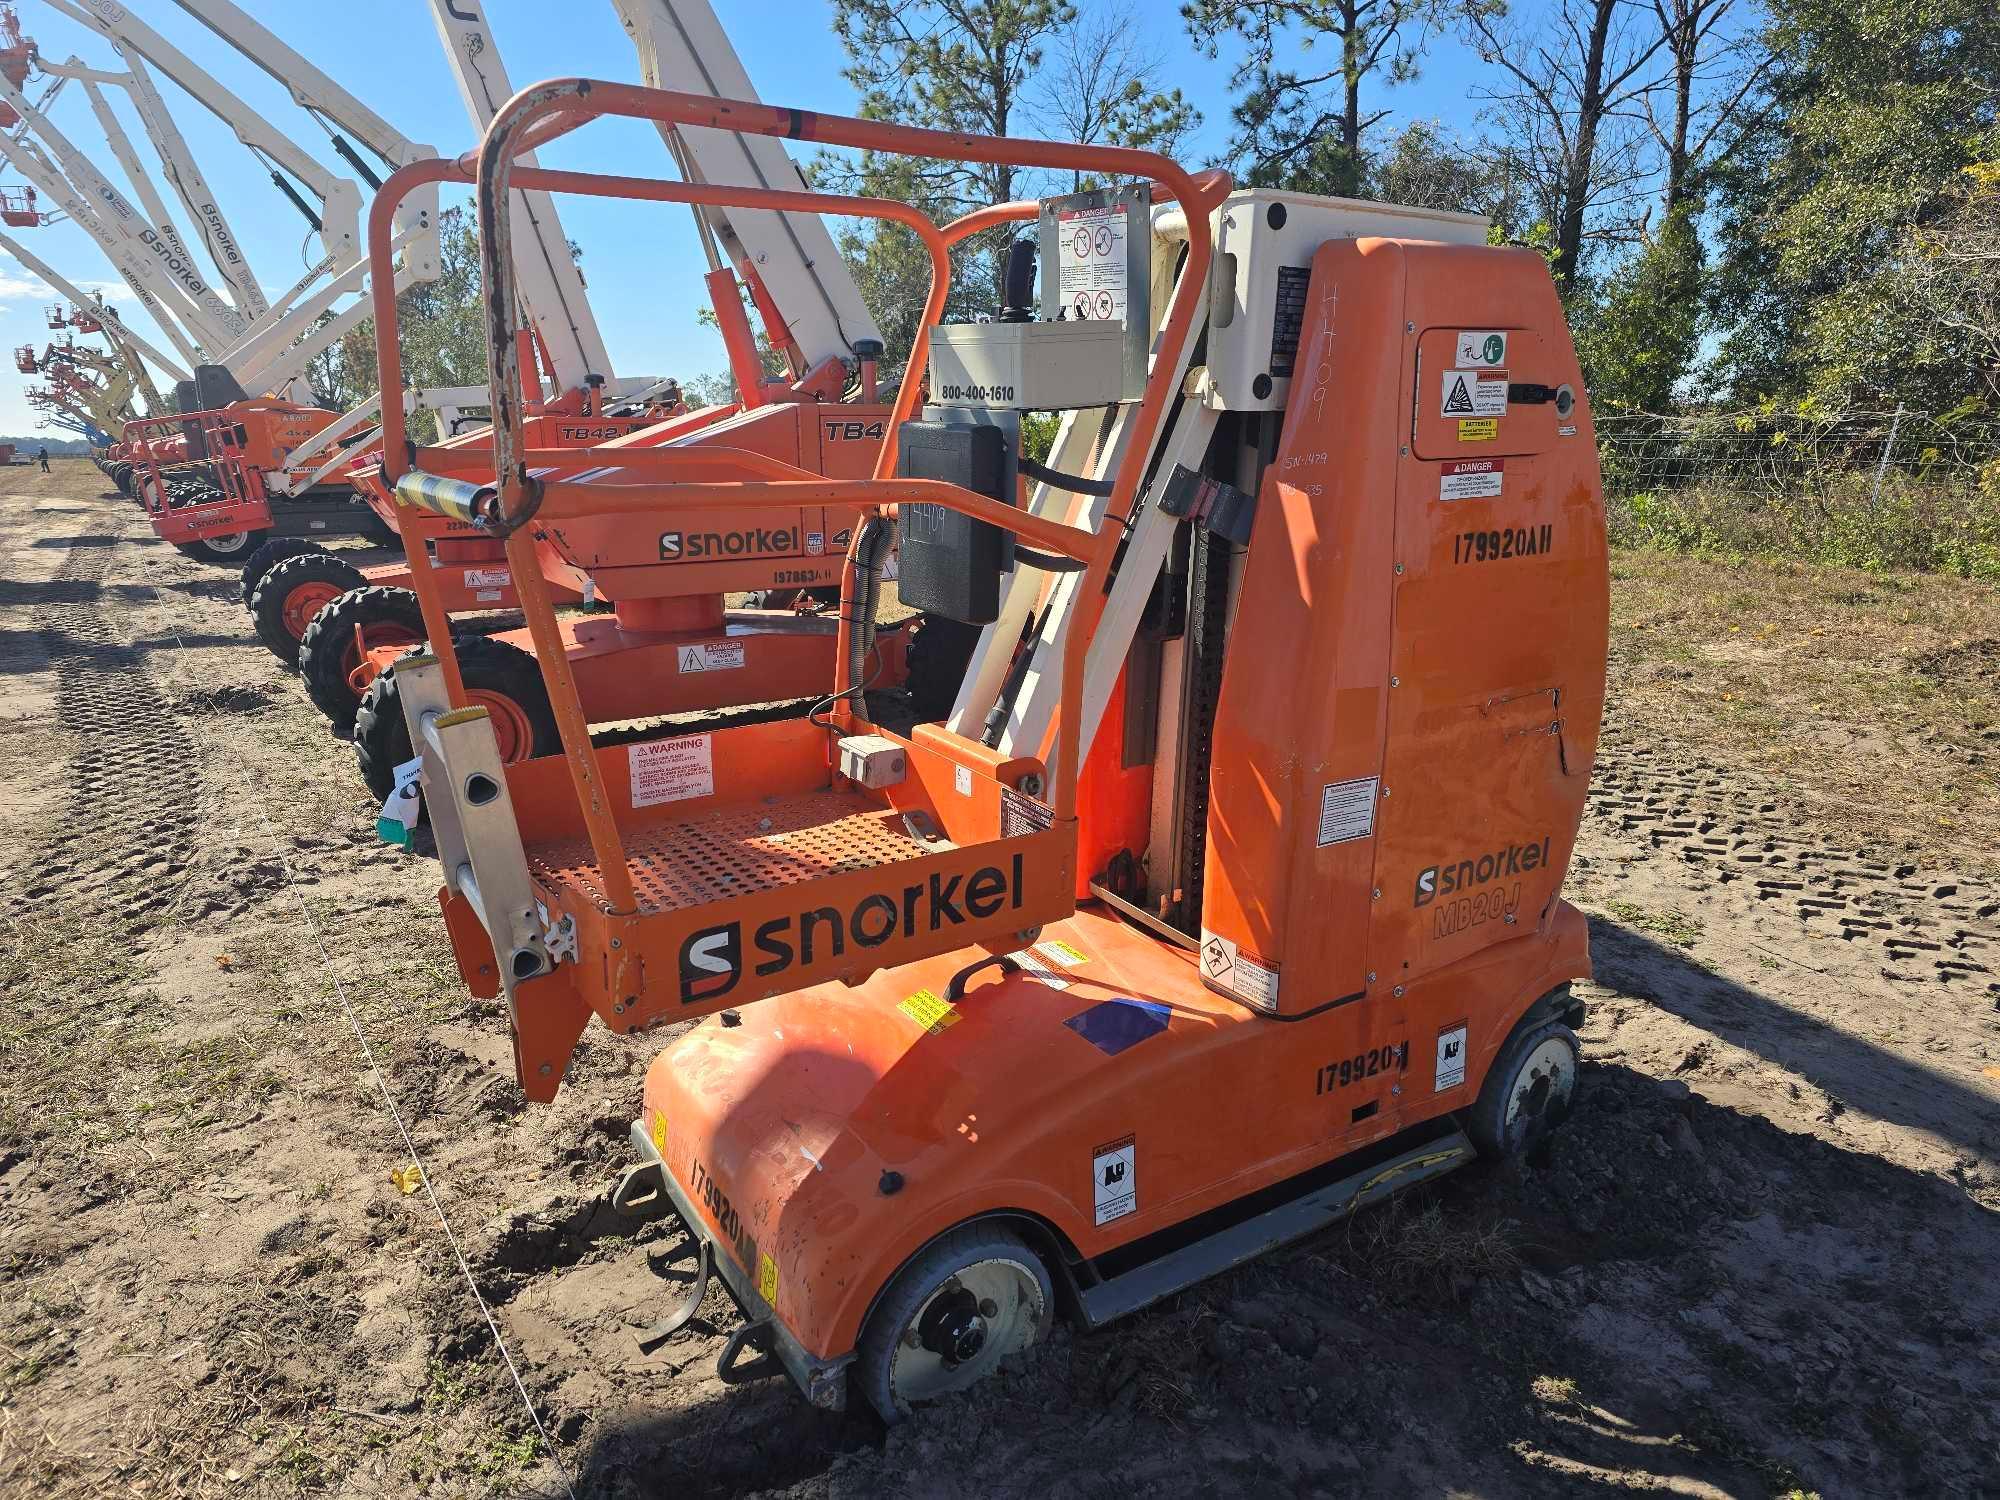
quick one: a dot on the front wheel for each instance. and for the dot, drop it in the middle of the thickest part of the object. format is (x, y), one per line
(1527, 1092)
(269, 556)
(293, 592)
(951, 1316)
(230, 547)
(499, 677)
(329, 656)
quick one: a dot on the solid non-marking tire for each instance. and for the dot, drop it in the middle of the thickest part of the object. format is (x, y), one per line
(967, 1253)
(231, 550)
(499, 677)
(326, 657)
(293, 592)
(1528, 1090)
(269, 555)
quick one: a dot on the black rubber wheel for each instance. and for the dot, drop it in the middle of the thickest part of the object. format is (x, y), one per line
(951, 1316)
(940, 651)
(326, 654)
(295, 591)
(1527, 1092)
(231, 550)
(274, 551)
(499, 676)
(378, 530)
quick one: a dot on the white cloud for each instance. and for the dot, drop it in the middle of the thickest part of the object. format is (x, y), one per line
(16, 283)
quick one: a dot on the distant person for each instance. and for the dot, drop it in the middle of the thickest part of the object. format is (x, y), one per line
(42, 458)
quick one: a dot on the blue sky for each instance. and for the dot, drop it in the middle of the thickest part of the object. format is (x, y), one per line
(642, 262)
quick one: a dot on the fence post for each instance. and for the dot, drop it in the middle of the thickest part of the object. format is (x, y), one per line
(1889, 447)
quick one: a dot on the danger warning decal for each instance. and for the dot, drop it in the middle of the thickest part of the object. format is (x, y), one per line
(1090, 262)
(1472, 479)
(1474, 393)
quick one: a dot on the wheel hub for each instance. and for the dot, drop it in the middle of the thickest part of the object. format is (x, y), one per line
(973, 1320)
(952, 1328)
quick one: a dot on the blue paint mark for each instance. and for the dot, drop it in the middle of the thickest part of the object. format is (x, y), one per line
(1113, 1025)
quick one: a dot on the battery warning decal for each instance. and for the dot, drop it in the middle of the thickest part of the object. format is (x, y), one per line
(1474, 393)
(1114, 1179)
(1472, 479)
(1482, 430)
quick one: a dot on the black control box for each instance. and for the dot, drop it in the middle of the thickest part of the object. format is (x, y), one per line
(950, 564)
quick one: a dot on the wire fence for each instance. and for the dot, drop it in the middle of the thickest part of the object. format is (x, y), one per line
(1787, 456)
(1878, 489)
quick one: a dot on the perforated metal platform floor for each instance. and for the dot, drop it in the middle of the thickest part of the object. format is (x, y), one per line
(737, 851)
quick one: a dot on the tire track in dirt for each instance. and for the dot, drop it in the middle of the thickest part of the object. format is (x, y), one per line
(1927, 926)
(122, 844)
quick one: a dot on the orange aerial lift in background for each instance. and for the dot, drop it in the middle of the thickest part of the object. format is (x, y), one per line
(1224, 900)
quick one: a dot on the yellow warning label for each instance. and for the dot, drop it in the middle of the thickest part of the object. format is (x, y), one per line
(1479, 430)
(929, 1012)
(767, 1278)
(659, 1132)
(1060, 952)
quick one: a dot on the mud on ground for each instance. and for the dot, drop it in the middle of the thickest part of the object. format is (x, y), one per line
(1761, 1259)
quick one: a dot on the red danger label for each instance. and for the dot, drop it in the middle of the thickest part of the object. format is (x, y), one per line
(1472, 479)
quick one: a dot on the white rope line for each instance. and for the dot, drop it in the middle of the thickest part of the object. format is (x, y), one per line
(395, 1114)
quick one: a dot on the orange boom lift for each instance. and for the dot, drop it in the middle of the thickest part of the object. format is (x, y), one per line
(1224, 901)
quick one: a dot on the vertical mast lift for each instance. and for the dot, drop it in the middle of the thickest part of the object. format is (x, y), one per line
(1100, 1021)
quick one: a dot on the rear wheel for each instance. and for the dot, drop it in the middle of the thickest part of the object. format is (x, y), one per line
(328, 655)
(229, 547)
(269, 555)
(951, 1316)
(1527, 1092)
(499, 677)
(292, 593)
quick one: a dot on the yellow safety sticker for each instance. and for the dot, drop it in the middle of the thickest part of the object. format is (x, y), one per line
(1479, 430)
(767, 1278)
(1057, 951)
(659, 1132)
(929, 1012)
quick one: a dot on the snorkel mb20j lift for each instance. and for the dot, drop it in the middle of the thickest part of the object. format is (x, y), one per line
(1226, 898)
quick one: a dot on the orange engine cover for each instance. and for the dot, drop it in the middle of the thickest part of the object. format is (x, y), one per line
(1429, 549)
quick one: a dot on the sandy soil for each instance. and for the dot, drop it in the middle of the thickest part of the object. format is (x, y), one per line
(1761, 1259)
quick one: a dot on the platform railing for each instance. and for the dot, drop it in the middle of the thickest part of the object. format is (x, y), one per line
(532, 486)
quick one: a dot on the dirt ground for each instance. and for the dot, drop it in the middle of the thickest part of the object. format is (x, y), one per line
(1762, 1259)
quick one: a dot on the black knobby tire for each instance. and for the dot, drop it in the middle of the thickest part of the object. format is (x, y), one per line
(269, 555)
(1527, 1091)
(326, 649)
(271, 607)
(881, 1339)
(496, 668)
(231, 556)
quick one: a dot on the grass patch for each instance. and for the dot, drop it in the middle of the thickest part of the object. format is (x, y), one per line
(1676, 927)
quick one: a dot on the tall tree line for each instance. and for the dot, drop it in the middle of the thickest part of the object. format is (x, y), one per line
(1741, 200)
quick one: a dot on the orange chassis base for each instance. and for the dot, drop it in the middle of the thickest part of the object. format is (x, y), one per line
(785, 1136)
